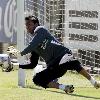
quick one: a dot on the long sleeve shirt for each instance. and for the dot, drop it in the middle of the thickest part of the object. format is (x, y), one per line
(45, 45)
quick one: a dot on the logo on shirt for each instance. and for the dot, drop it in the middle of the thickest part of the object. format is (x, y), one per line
(54, 42)
(44, 44)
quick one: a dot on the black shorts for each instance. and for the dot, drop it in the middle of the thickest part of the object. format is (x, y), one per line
(55, 71)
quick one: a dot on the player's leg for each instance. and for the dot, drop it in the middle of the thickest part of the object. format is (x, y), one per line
(66, 88)
(46, 79)
(56, 80)
(95, 83)
(58, 72)
(77, 66)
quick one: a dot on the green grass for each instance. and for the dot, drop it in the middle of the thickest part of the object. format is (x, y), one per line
(10, 91)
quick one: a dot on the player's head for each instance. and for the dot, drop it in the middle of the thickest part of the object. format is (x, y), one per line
(31, 23)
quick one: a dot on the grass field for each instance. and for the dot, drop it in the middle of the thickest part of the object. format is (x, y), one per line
(10, 91)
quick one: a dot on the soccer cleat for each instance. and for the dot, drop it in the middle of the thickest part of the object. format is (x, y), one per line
(69, 89)
(97, 85)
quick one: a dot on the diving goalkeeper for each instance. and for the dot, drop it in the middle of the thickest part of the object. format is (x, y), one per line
(58, 58)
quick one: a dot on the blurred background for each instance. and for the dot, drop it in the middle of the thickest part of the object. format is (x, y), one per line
(75, 23)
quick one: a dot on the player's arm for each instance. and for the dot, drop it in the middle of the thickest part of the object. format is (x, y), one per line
(39, 37)
(33, 61)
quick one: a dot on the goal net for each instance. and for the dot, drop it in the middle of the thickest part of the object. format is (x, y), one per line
(75, 23)
(82, 31)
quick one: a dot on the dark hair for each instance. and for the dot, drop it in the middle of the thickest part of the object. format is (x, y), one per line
(32, 18)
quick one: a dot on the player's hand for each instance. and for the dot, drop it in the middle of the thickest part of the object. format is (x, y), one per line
(13, 50)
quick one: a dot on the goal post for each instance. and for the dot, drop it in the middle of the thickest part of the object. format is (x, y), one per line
(20, 24)
(20, 39)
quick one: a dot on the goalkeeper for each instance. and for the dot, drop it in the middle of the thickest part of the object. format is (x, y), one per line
(58, 58)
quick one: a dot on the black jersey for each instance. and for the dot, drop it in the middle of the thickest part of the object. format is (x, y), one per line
(45, 45)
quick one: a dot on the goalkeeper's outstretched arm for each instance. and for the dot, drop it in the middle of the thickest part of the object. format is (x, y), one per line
(34, 61)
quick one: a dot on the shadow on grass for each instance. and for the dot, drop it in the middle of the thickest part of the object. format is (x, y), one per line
(77, 95)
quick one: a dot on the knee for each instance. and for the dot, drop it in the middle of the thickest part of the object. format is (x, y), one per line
(36, 80)
(77, 66)
(39, 82)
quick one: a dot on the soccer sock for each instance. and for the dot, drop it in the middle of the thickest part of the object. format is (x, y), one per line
(62, 87)
(92, 80)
